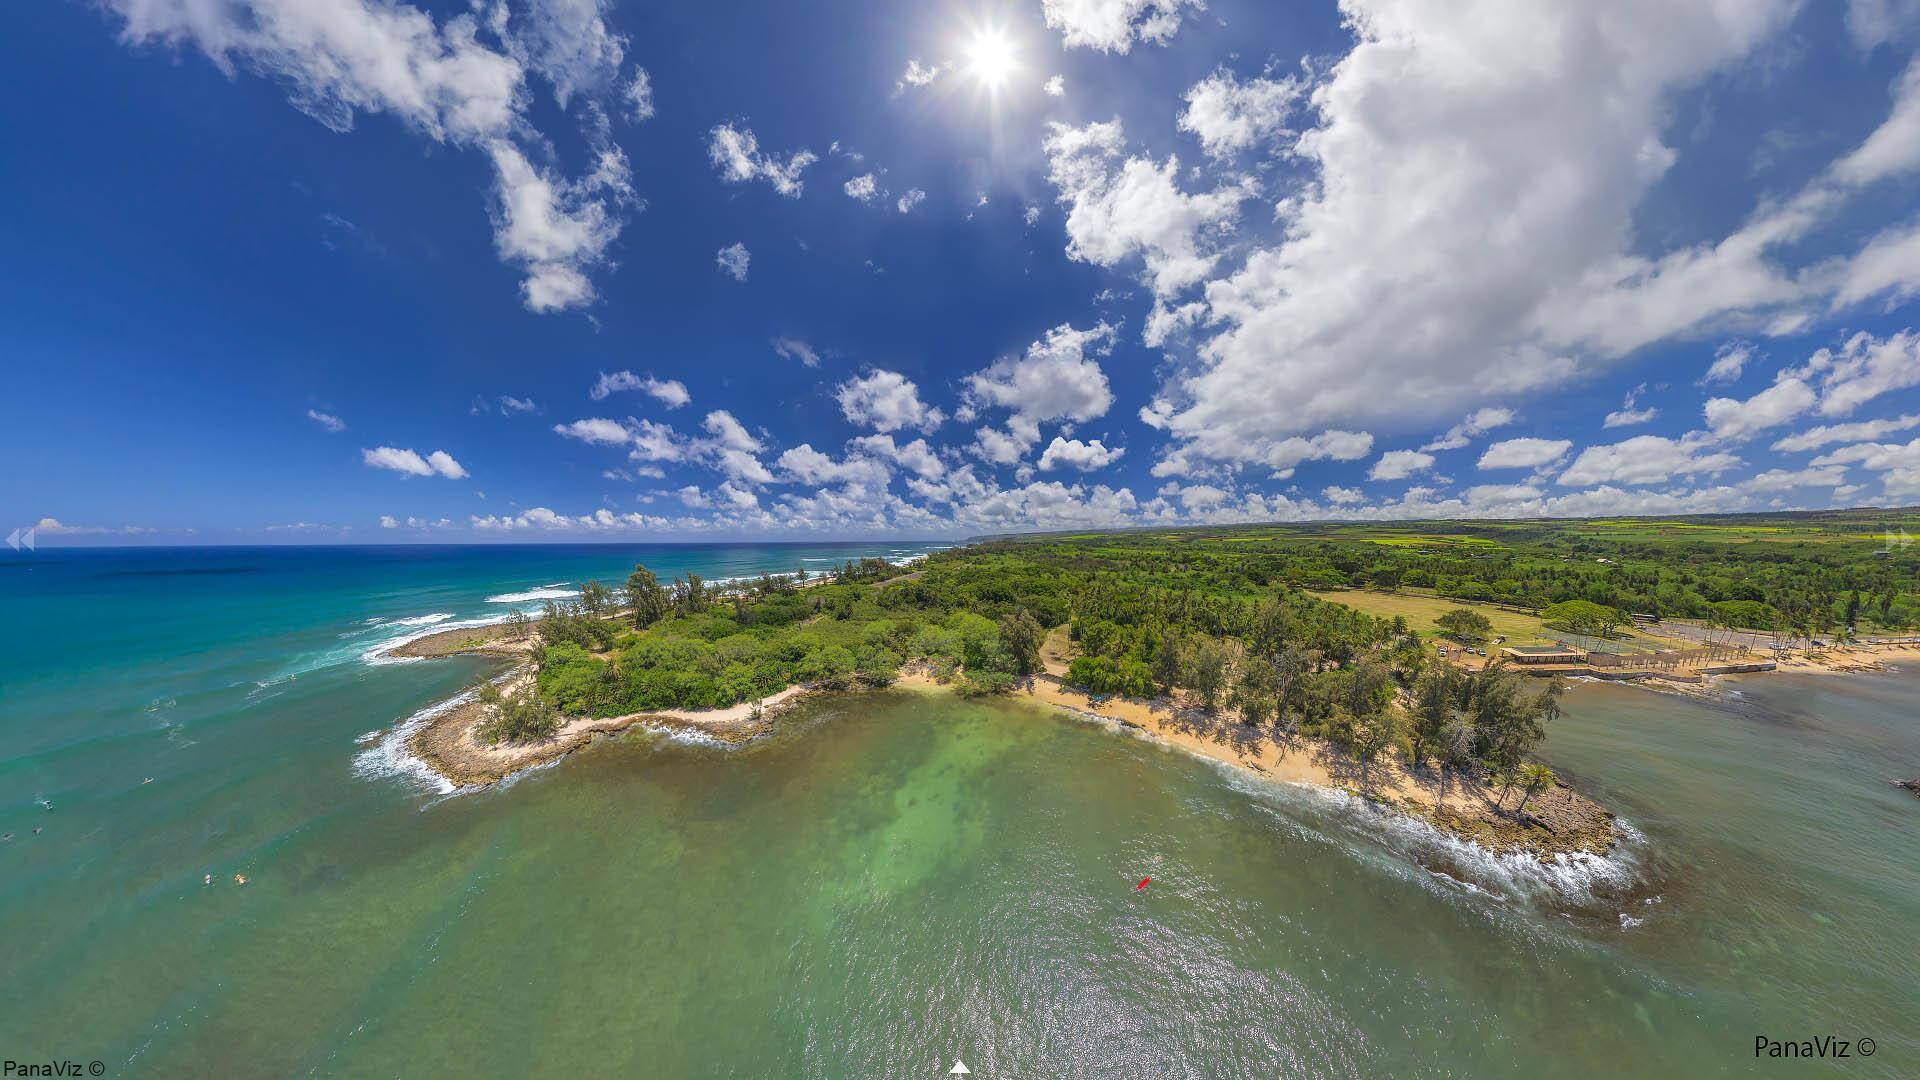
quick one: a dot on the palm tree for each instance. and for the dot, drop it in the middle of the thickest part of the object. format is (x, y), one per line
(1534, 779)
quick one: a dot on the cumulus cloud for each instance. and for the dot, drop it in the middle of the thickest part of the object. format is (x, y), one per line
(1898, 464)
(341, 58)
(886, 401)
(409, 463)
(1058, 377)
(1400, 464)
(1827, 434)
(1524, 453)
(1648, 459)
(597, 430)
(914, 197)
(1427, 265)
(736, 153)
(327, 420)
(1121, 207)
(1230, 116)
(1055, 86)
(1732, 419)
(1114, 25)
(733, 261)
(1630, 413)
(1863, 369)
(863, 188)
(1729, 361)
(1477, 423)
(670, 392)
(1074, 454)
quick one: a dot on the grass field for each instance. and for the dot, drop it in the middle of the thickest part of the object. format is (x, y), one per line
(1519, 628)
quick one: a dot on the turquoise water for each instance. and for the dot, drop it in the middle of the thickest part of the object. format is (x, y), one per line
(891, 882)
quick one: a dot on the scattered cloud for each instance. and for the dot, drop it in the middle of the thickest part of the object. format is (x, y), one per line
(1524, 453)
(789, 348)
(409, 463)
(1230, 117)
(1074, 454)
(914, 197)
(886, 401)
(1630, 414)
(1477, 423)
(1114, 25)
(327, 420)
(1400, 464)
(733, 261)
(1648, 459)
(736, 153)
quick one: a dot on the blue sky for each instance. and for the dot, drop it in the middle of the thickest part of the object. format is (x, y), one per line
(318, 270)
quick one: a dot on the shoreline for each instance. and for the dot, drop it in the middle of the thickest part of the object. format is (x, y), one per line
(1559, 821)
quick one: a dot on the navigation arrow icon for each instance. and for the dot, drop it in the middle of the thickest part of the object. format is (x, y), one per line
(13, 539)
(27, 538)
(959, 1069)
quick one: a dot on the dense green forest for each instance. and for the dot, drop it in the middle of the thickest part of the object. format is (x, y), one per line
(1221, 614)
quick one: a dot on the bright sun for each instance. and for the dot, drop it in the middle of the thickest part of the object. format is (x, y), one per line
(990, 58)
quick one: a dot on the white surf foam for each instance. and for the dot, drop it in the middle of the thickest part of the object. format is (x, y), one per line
(544, 592)
(381, 653)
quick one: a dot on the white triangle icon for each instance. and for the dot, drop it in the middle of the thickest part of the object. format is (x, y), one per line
(13, 539)
(959, 1069)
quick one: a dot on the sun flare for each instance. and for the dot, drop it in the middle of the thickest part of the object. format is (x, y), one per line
(991, 58)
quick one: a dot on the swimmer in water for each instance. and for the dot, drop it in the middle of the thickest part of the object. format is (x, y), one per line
(208, 880)
(239, 879)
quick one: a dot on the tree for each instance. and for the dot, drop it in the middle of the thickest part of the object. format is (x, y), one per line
(645, 596)
(1022, 634)
(521, 716)
(1167, 663)
(690, 596)
(1534, 779)
(1585, 617)
(1465, 625)
(1207, 669)
(1252, 692)
(595, 599)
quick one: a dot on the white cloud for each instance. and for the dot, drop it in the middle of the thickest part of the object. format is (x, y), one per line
(809, 466)
(510, 405)
(1785, 480)
(387, 521)
(914, 197)
(1648, 459)
(670, 392)
(1815, 438)
(1524, 453)
(339, 58)
(327, 420)
(1888, 266)
(1074, 454)
(730, 434)
(1114, 25)
(1057, 378)
(640, 97)
(598, 431)
(733, 261)
(1230, 116)
(1342, 496)
(1899, 465)
(917, 74)
(788, 348)
(1863, 369)
(1468, 219)
(656, 442)
(1055, 86)
(1400, 464)
(407, 462)
(1777, 404)
(917, 456)
(1477, 423)
(1729, 361)
(556, 229)
(886, 401)
(1120, 207)
(1629, 413)
(864, 188)
(736, 153)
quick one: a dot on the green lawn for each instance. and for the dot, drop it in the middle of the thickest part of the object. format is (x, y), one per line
(1420, 611)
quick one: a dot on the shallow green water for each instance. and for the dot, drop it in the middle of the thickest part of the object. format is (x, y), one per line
(898, 880)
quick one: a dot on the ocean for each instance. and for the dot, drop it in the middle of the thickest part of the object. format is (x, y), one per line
(891, 883)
